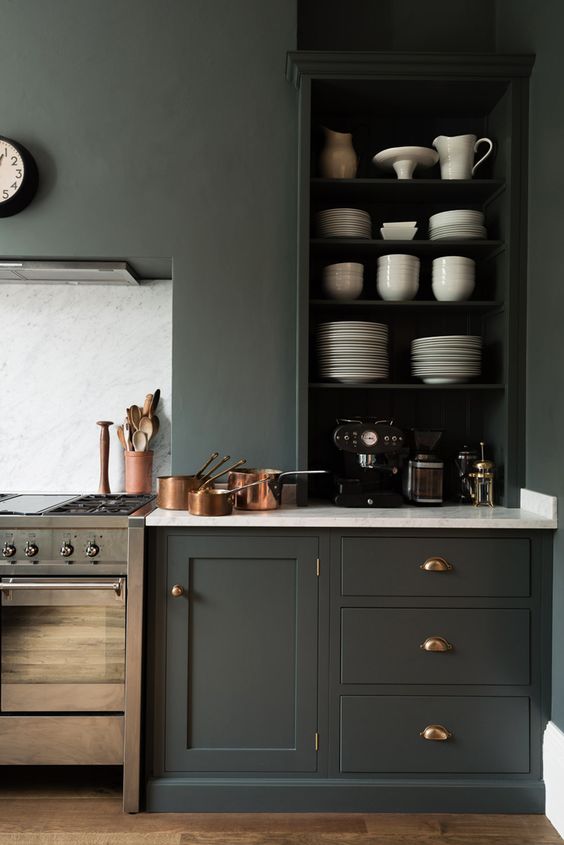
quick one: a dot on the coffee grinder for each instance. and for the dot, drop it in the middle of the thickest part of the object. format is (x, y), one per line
(423, 480)
(373, 452)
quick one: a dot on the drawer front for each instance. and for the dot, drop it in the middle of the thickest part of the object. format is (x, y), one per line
(61, 740)
(388, 566)
(382, 734)
(384, 646)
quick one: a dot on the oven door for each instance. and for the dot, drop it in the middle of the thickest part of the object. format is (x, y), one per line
(62, 645)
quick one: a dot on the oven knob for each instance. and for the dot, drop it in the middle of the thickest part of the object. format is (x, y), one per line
(9, 550)
(66, 549)
(31, 549)
(92, 549)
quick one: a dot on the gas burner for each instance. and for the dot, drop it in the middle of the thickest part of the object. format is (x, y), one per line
(97, 505)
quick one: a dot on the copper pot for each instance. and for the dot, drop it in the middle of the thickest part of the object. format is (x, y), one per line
(172, 490)
(266, 497)
(209, 502)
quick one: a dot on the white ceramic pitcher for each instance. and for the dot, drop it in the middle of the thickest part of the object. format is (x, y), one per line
(456, 155)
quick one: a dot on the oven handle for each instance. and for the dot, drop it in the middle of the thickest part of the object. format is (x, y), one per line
(116, 586)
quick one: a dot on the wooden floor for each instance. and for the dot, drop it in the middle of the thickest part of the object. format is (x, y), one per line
(51, 810)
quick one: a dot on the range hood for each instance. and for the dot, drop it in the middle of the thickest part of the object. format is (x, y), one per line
(54, 272)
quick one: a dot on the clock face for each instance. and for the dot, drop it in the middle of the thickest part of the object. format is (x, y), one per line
(12, 171)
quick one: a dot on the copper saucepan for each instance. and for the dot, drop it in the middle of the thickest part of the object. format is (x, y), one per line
(209, 502)
(267, 497)
(172, 490)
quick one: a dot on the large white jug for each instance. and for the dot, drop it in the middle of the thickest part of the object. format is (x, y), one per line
(456, 155)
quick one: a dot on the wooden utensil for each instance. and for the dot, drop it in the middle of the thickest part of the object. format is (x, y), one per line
(140, 441)
(135, 415)
(121, 436)
(104, 486)
(156, 424)
(155, 402)
(146, 426)
(147, 405)
(128, 430)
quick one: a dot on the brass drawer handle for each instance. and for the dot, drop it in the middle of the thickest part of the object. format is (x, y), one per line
(177, 591)
(436, 564)
(436, 644)
(436, 733)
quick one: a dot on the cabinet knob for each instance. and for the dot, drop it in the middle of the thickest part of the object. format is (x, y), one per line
(436, 644)
(177, 591)
(436, 733)
(436, 564)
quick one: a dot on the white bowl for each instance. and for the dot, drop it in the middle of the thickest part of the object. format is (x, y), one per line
(397, 290)
(345, 265)
(403, 224)
(345, 288)
(397, 234)
(452, 290)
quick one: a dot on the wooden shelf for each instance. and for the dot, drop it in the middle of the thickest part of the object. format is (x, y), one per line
(433, 191)
(414, 304)
(366, 247)
(329, 385)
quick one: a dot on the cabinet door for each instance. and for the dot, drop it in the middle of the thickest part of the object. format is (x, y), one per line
(241, 664)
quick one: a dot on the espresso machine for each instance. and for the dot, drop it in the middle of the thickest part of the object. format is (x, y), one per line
(373, 452)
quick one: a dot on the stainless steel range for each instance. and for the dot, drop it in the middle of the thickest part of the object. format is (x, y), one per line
(71, 585)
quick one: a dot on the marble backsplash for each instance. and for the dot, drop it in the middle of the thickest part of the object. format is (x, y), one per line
(72, 355)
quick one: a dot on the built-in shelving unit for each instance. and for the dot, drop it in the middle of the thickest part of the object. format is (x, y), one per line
(388, 100)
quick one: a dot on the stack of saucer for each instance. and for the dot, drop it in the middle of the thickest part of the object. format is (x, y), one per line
(446, 360)
(461, 224)
(353, 351)
(343, 223)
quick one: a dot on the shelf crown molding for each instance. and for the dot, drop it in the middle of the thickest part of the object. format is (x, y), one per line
(375, 65)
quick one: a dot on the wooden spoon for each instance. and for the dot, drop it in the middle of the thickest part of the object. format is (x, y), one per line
(140, 441)
(155, 402)
(121, 436)
(135, 415)
(156, 424)
(146, 425)
(147, 405)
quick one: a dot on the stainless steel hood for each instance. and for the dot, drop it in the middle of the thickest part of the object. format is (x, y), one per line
(55, 272)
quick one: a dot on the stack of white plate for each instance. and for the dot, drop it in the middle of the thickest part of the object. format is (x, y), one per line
(343, 280)
(460, 224)
(448, 359)
(353, 351)
(343, 223)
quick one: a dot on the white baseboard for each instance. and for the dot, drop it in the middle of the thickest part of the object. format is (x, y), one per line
(553, 765)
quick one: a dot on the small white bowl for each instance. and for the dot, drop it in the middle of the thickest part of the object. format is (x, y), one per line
(404, 224)
(397, 234)
(452, 290)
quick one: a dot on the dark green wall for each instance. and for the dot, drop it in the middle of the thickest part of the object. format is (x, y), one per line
(168, 129)
(527, 26)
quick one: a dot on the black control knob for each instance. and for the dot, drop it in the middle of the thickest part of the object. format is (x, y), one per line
(8, 550)
(31, 549)
(92, 549)
(66, 549)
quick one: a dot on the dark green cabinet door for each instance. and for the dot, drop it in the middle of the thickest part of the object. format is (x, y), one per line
(241, 654)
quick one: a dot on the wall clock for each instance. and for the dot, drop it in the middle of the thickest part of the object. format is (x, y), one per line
(18, 177)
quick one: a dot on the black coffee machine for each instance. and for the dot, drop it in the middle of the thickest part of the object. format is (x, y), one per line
(373, 452)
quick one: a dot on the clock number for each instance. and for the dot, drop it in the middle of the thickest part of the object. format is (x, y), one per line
(18, 173)
(5, 194)
(14, 160)
(14, 185)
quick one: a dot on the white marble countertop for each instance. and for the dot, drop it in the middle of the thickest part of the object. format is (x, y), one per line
(538, 511)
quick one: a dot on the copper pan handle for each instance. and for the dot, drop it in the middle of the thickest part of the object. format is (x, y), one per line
(208, 479)
(214, 469)
(204, 466)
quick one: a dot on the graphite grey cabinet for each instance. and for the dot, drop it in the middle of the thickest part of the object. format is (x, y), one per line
(311, 670)
(240, 673)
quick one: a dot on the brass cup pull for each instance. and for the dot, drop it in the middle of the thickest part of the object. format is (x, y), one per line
(436, 644)
(177, 591)
(436, 733)
(436, 564)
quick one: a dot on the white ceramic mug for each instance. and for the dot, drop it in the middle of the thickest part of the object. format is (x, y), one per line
(456, 155)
